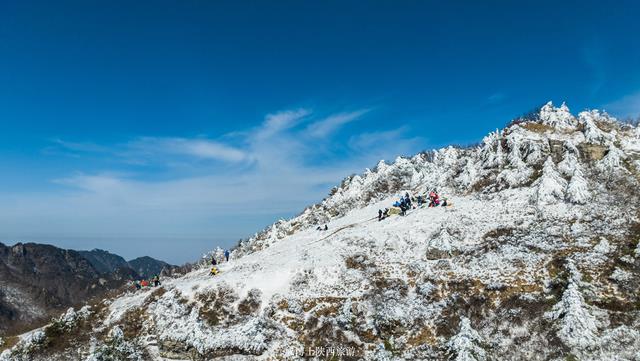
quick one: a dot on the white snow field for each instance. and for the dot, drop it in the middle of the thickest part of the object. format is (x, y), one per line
(536, 258)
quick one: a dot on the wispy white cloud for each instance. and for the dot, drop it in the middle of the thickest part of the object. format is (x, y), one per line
(328, 125)
(627, 106)
(198, 148)
(273, 170)
(277, 122)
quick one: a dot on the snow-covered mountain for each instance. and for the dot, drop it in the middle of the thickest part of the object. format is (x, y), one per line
(537, 258)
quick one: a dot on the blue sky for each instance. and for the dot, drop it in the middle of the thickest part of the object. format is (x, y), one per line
(166, 128)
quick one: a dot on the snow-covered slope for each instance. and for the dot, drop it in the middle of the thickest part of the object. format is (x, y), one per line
(536, 258)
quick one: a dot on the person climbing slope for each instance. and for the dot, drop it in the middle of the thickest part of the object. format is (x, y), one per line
(214, 271)
(379, 215)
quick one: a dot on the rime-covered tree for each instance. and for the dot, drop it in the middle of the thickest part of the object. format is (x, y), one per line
(592, 133)
(464, 346)
(612, 160)
(549, 188)
(557, 117)
(577, 190)
(491, 150)
(577, 326)
(517, 171)
(569, 159)
(469, 173)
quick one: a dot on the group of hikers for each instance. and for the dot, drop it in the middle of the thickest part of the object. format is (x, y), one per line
(214, 262)
(152, 282)
(401, 206)
(320, 228)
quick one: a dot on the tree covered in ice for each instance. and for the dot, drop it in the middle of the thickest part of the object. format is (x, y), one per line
(577, 190)
(549, 188)
(491, 150)
(577, 326)
(557, 117)
(592, 132)
(536, 151)
(569, 159)
(464, 346)
(469, 173)
(612, 160)
(517, 171)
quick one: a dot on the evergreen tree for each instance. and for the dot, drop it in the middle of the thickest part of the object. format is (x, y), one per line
(549, 188)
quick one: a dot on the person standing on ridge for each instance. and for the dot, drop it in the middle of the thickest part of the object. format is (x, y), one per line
(226, 255)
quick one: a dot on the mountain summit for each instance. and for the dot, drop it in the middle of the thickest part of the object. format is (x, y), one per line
(536, 257)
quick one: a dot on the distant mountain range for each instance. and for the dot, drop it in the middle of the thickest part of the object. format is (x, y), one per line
(106, 262)
(38, 280)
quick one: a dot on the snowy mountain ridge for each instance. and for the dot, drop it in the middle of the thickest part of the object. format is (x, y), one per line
(539, 250)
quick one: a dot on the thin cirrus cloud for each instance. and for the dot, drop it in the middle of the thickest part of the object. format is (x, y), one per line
(244, 181)
(627, 106)
(330, 124)
(197, 148)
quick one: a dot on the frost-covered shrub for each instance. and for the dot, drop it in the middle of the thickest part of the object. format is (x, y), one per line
(303, 278)
(465, 345)
(23, 350)
(441, 245)
(117, 348)
(358, 261)
(217, 304)
(250, 304)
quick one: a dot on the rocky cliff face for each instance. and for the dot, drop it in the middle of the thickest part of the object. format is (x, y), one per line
(537, 257)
